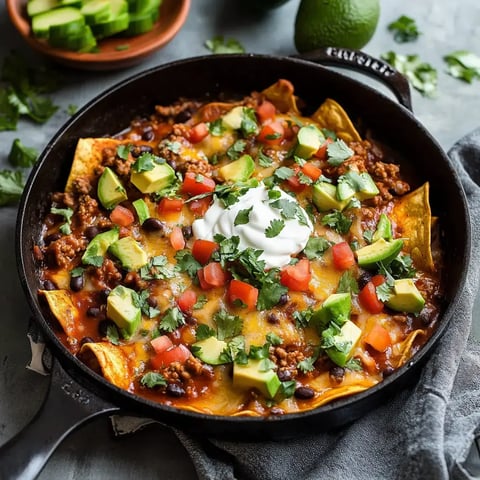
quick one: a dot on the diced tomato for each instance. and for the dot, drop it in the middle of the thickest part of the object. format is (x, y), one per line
(343, 257)
(246, 293)
(321, 153)
(187, 300)
(297, 277)
(177, 241)
(378, 338)
(271, 133)
(377, 280)
(214, 275)
(198, 132)
(196, 184)
(293, 182)
(199, 206)
(170, 205)
(266, 111)
(179, 353)
(161, 343)
(202, 250)
(122, 216)
(201, 279)
(311, 171)
(369, 300)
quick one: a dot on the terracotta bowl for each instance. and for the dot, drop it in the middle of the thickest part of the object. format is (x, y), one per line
(113, 52)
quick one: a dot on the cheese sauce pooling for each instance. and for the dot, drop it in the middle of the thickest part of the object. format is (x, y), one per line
(288, 217)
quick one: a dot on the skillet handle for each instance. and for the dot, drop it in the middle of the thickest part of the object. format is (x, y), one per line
(66, 407)
(360, 61)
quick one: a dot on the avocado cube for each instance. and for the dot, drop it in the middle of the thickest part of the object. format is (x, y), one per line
(110, 190)
(406, 297)
(251, 376)
(142, 210)
(366, 187)
(131, 255)
(344, 343)
(233, 119)
(384, 229)
(239, 170)
(98, 246)
(160, 176)
(309, 140)
(380, 251)
(209, 350)
(336, 307)
(122, 310)
(324, 197)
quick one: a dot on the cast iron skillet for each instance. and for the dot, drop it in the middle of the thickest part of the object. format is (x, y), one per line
(77, 394)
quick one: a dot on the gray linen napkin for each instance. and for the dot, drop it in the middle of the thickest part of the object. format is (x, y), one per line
(423, 433)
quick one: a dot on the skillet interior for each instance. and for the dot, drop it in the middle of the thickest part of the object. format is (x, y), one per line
(112, 111)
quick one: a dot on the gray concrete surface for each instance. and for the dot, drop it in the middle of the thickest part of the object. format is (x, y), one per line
(92, 452)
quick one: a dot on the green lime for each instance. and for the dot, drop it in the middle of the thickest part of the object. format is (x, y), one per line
(335, 23)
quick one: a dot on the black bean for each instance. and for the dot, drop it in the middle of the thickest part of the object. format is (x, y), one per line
(387, 372)
(183, 116)
(284, 298)
(337, 374)
(152, 302)
(52, 238)
(364, 278)
(141, 149)
(187, 232)
(272, 318)
(153, 225)
(175, 390)
(91, 231)
(103, 327)
(77, 283)
(148, 135)
(172, 163)
(304, 393)
(104, 293)
(49, 285)
(93, 312)
(86, 340)
(189, 319)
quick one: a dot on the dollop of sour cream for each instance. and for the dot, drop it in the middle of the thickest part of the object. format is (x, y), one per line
(263, 209)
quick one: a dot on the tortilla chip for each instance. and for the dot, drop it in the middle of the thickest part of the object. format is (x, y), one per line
(62, 308)
(336, 393)
(88, 156)
(405, 348)
(281, 95)
(332, 116)
(112, 361)
(413, 217)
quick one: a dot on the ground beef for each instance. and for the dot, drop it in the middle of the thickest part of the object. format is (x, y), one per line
(135, 281)
(64, 199)
(177, 109)
(87, 211)
(107, 276)
(62, 252)
(82, 185)
(287, 360)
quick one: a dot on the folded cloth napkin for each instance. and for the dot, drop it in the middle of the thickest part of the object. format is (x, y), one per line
(423, 433)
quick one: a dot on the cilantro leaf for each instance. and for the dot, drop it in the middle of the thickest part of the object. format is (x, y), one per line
(187, 263)
(157, 268)
(283, 173)
(315, 247)
(302, 317)
(269, 293)
(140, 300)
(337, 152)
(264, 160)
(421, 75)
(9, 114)
(219, 45)
(123, 151)
(200, 303)
(203, 332)
(287, 389)
(337, 221)
(216, 127)
(354, 364)
(235, 351)
(274, 339)
(77, 272)
(400, 267)
(385, 290)
(72, 109)
(306, 365)
(274, 228)
(22, 156)
(172, 319)
(11, 186)
(153, 379)
(113, 335)
(228, 325)
(236, 149)
(146, 162)
(463, 64)
(347, 283)
(66, 213)
(249, 122)
(243, 216)
(404, 29)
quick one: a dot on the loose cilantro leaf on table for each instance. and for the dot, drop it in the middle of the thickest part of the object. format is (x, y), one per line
(421, 75)
(219, 44)
(21, 155)
(463, 65)
(404, 29)
(72, 109)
